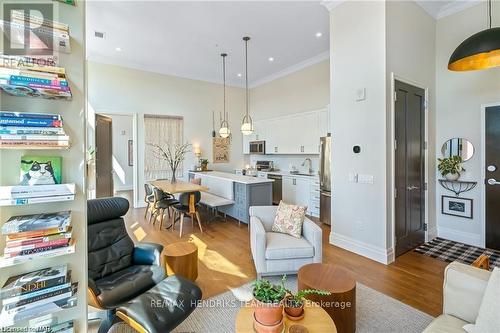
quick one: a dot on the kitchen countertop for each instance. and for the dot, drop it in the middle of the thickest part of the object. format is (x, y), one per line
(287, 173)
(234, 177)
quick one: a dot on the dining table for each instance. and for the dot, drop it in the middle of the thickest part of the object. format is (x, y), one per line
(177, 187)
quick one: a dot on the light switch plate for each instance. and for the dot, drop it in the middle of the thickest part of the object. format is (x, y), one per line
(360, 94)
(365, 179)
(353, 177)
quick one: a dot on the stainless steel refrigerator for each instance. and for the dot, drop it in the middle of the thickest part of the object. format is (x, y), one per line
(325, 180)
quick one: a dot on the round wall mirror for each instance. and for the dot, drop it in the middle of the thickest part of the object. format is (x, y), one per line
(458, 147)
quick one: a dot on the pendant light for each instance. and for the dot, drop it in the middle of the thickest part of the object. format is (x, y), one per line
(247, 123)
(480, 51)
(224, 131)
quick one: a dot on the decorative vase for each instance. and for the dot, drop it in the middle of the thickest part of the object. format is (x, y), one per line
(268, 314)
(452, 176)
(173, 179)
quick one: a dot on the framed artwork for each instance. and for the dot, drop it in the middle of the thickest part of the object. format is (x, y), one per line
(40, 170)
(221, 150)
(456, 206)
(130, 153)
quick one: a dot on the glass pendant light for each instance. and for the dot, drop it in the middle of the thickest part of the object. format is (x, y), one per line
(224, 130)
(480, 51)
(247, 123)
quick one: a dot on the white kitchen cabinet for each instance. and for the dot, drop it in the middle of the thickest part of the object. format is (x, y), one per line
(295, 190)
(308, 138)
(324, 122)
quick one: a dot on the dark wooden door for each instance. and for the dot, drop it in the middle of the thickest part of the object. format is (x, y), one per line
(409, 167)
(492, 150)
(104, 156)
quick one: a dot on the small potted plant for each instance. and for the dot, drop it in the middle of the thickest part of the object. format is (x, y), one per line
(450, 167)
(204, 164)
(294, 303)
(268, 305)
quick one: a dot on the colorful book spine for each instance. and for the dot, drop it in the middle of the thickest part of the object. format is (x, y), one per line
(37, 240)
(33, 144)
(37, 233)
(33, 251)
(26, 191)
(38, 303)
(5, 262)
(29, 115)
(40, 292)
(29, 80)
(20, 202)
(39, 299)
(19, 249)
(31, 286)
(13, 130)
(7, 137)
(29, 122)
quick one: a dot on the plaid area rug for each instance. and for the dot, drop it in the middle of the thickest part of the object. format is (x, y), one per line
(447, 250)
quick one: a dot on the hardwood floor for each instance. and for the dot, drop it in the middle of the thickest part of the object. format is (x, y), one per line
(225, 261)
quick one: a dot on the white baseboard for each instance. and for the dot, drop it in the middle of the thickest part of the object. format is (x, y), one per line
(123, 187)
(431, 234)
(384, 256)
(459, 236)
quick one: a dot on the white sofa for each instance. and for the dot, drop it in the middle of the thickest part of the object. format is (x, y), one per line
(463, 291)
(276, 253)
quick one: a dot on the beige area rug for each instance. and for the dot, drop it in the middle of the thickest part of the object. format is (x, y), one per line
(375, 313)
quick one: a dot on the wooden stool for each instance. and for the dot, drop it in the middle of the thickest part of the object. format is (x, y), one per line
(341, 304)
(181, 259)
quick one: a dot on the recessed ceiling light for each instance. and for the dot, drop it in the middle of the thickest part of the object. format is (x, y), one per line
(118, 49)
(319, 34)
(271, 59)
(239, 74)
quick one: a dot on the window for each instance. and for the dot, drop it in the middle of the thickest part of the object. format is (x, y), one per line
(161, 130)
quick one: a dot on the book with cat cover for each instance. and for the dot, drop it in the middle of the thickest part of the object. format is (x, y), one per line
(59, 221)
(40, 170)
(40, 279)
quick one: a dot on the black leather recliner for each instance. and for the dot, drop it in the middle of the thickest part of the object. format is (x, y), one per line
(119, 271)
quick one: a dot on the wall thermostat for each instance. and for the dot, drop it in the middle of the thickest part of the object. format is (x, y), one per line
(356, 149)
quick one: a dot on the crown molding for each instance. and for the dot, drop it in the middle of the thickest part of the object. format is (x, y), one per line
(292, 69)
(456, 7)
(331, 4)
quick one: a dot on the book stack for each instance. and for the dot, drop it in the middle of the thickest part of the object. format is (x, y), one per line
(31, 77)
(35, 294)
(32, 131)
(26, 194)
(38, 235)
(44, 34)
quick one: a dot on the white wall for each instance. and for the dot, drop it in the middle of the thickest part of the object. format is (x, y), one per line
(123, 130)
(460, 95)
(411, 35)
(358, 60)
(119, 90)
(304, 90)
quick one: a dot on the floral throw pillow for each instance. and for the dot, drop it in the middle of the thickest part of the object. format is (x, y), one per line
(289, 219)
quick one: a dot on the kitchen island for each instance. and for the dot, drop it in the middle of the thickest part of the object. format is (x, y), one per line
(244, 191)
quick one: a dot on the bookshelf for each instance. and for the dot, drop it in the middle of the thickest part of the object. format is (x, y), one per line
(74, 115)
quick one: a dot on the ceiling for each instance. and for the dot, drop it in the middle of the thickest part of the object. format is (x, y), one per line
(439, 9)
(186, 38)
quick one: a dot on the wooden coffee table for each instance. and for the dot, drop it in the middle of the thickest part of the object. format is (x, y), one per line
(341, 304)
(181, 258)
(316, 320)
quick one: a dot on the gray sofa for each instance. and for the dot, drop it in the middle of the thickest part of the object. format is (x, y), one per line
(276, 253)
(463, 292)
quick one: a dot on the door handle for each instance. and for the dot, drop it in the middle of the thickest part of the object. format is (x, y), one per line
(493, 181)
(411, 188)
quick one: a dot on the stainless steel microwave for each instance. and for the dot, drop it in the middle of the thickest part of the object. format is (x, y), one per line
(257, 147)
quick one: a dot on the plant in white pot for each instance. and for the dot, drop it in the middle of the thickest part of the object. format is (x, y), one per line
(173, 154)
(450, 167)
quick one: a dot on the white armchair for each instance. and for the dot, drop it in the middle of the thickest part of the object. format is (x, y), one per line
(277, 253)
(463, 291)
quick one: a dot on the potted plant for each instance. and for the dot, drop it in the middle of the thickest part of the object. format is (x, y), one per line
(204, 164)
(450, 167)
(294, 303)
(268, 304)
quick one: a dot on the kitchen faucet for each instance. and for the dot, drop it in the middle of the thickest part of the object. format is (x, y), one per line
(309, 163)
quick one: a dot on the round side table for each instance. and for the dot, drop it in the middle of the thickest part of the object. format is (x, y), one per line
(341, 304)
(181, 258)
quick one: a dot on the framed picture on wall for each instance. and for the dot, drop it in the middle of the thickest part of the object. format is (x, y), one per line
(130, 153)
(456, 206)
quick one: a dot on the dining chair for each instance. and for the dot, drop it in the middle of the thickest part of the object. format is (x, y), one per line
(189, 202)
(149, 199)
(163, 201)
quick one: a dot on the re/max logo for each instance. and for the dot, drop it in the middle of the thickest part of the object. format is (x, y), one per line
(27, 29)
